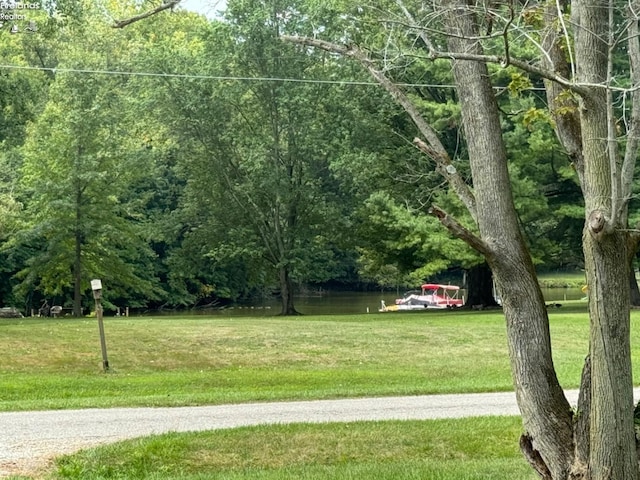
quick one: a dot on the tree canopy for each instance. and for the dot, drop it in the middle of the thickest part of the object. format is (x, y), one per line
(228, 162)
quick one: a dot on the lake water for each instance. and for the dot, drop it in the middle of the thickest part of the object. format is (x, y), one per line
(353, 302)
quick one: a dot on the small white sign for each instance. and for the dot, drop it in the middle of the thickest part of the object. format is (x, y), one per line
(96, 285)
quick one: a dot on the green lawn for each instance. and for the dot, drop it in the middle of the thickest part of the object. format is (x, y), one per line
(472, 448)
(205, 360)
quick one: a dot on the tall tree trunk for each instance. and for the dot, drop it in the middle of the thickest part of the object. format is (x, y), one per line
(77, 261)
(286, 293)
(480, 289)
(612, 437)
(546, 414)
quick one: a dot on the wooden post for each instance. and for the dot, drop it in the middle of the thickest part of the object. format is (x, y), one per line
(96, 286)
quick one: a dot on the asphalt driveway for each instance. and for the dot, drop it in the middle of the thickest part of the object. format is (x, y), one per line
(28, 440)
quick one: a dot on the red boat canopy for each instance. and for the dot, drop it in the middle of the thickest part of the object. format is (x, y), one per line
(434, 286)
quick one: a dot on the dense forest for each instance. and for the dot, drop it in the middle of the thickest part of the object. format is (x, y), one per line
(188, 161)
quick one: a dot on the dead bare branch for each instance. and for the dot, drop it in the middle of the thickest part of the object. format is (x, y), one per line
(128, 21)
(633, 132)
(505, 34)
(460, 231)
(612, 141)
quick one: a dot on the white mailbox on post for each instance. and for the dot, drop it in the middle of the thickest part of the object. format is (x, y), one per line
(96, 286)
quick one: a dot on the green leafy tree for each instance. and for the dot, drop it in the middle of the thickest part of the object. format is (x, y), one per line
(259, 186)
(22, 94)
(80, 158)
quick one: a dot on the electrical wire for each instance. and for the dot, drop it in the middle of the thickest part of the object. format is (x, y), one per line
(213, 77)
(55, 70)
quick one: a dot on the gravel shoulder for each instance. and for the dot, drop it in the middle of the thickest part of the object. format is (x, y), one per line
(30, 440)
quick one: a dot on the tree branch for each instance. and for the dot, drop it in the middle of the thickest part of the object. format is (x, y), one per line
(432, 147)
(446, 169)
(505, 34)
(563, 106)
(128, 21)
(461, 232)
(502, 61)
(612, 140)
(633, 131)
(414, 25)
(579, 88)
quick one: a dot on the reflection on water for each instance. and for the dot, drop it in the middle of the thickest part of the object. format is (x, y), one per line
(328, 303)
(331, 303)
(560, 294)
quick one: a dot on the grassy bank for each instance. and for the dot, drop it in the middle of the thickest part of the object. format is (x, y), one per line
(186, 361)
(473, 448)
(562, 279)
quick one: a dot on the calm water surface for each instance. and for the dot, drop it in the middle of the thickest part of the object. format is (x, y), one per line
(334, 303)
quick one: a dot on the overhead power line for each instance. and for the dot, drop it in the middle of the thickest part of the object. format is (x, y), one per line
(213, 77)
(232, 78)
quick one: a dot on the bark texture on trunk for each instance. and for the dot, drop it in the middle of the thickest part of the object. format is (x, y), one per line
(612, 453)
(77, 260)
(582, 425)
(545, 411)
(612, 437)
(561, 103)
(286, 293)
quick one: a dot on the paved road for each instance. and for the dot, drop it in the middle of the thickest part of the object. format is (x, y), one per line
(28, 440)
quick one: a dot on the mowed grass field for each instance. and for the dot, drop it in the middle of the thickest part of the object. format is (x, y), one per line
(56, 363)
(471, 448)
(207, 360)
